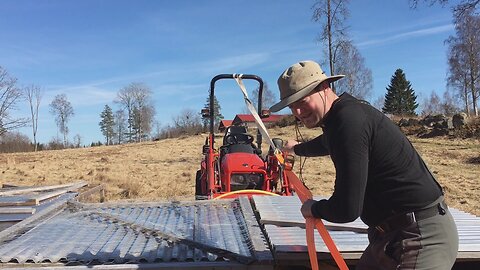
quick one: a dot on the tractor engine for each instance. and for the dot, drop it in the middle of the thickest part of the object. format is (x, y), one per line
(242, 171)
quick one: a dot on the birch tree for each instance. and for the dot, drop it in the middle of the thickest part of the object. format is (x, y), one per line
(464, 58)
(332, 15)
(34, 95)
(62, 109)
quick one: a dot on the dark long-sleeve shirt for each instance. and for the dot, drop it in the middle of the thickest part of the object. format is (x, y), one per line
(378, 172)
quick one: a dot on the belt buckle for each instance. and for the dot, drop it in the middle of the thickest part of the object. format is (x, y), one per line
(414, 217)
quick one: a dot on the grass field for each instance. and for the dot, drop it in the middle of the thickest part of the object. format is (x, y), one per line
(165, 170)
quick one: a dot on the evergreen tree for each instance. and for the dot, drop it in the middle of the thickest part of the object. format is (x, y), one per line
(107, 124)
(400, 98)
(216, 111)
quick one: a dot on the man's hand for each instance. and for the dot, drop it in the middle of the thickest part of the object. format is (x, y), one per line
(307, 208)
(288, 147)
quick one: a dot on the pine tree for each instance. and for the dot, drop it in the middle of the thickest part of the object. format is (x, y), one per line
(400, 98)
(216, 112)
(107, 124)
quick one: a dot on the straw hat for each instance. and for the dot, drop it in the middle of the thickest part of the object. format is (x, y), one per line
(298, 81)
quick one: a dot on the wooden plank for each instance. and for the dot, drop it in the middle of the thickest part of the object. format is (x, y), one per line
(20, 190)
(328, 225)
(97, 189)
(9, 186)
(17, 210)
(47, 195)
(16, 201)
(13, 217)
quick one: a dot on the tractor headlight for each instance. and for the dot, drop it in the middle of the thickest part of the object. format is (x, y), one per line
(246, 181)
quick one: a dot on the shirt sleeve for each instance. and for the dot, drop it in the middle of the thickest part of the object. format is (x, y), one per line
(349, 143)
(313, 148)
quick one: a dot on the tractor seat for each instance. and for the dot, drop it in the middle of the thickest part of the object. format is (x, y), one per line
(235, 134)
(239, 148)
(237, 140)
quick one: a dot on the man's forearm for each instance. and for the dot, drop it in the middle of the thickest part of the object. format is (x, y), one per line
(312, 148)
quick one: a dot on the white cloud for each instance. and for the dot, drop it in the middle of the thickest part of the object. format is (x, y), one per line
(82, 95)
(407, 35)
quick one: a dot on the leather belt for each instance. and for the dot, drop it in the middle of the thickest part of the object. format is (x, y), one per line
(403, 220)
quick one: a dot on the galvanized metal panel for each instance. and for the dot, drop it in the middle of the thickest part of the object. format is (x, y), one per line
(124, 234)
(10, 219)
(292, 239)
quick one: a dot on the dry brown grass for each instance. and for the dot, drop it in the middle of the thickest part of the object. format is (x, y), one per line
(165, 170)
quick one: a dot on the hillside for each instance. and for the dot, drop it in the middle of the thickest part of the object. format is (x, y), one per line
(165, 170)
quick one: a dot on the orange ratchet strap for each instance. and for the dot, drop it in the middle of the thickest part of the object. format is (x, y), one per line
(312, 223)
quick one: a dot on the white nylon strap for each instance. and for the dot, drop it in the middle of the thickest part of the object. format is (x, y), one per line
(253, 111)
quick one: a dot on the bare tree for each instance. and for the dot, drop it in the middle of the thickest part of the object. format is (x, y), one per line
(379, 102)
(187, 122)
(432, 105)
(34, 95)
(358, 80)
(268, 97)
(457, 78)
(147, 114)
(62, 109)
(449, 104)
(343, 56)
(9, 96)
(464, 57)
(77, 140)
(158, 130)
(332, 15)
(136, 99)
(120, 125)
(461, 7)
(12, 142)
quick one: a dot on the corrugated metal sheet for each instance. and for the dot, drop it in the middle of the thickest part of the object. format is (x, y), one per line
(150, 232)
(15, 217)
(21, 202)
(275, 210)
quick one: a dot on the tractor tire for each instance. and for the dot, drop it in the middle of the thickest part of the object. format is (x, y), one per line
(198, 186)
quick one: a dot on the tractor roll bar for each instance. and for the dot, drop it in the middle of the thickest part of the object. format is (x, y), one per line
(212, 96)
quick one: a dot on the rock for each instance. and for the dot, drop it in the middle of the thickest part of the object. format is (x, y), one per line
(435, 132)
(459, 120)
(438, 121)
(413, 122)
(403, 122)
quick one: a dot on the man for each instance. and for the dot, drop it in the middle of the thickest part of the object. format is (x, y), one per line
(379, 175)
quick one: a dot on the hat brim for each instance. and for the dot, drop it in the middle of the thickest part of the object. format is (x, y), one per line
(302, 93)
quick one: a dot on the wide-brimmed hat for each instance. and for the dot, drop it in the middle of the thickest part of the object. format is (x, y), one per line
(298, 81)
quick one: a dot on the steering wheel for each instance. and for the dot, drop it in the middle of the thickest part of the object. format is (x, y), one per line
(241, 139)
(231, 139)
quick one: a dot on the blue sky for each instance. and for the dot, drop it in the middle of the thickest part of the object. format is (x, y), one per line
(90, 49)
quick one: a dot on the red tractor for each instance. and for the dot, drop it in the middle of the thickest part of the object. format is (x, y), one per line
(236, 167)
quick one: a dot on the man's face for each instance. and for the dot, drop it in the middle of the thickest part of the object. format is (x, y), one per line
(310, 110)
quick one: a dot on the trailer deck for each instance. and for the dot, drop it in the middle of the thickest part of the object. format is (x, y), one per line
(262, 233)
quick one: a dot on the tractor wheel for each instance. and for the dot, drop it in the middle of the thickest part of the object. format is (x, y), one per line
(198, 185)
